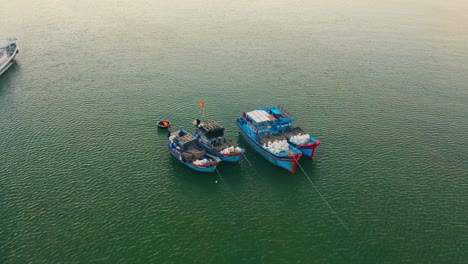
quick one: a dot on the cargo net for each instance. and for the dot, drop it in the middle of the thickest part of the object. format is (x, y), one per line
(293, 132)
(297, 135)
(272, 138)
(275, 143)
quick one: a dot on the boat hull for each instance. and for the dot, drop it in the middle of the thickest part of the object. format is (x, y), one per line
(230, 158)
(224, 157)
(308, 150)
(11, 61)
(200, 168)
(288, 163)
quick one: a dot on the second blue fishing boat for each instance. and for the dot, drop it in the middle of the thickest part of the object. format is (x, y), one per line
(210, 135)
(258, 129)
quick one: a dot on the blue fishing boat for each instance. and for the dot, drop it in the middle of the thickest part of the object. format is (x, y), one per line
(185, 147)
(210, 135)
(259, 129)
(283, 124)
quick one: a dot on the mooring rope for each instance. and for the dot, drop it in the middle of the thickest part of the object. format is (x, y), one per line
(323, 198)
(313, 185)
(256, 171)
(219, 174)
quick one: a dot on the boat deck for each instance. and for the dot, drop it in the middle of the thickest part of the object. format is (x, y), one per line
(6, 53)
(294, 132)
(271, 138)
(10, 49)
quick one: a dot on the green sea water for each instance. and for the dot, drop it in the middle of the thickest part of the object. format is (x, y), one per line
(86, 177)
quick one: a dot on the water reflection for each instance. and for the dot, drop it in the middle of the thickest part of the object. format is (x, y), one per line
(8, 77)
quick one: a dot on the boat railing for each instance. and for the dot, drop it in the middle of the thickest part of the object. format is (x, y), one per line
(285, 112)
(7, 42)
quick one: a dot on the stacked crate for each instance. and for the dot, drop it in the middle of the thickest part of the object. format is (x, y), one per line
(210, 125)
(187, 138)
(197, 154)
(193, 154)
(211, 129)
(187, 157)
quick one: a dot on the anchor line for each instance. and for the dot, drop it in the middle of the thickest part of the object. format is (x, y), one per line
(252, 166)
(230, 190)
(324, 200)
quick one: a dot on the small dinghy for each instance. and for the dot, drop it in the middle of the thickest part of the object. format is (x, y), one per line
(8, 54)
(163, 124)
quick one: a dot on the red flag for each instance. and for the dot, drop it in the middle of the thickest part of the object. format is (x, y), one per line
(201, 104)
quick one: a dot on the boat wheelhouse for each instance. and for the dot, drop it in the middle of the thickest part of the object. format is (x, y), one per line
(210, 135)
(259, 129)
(8, 54)
(185, 147)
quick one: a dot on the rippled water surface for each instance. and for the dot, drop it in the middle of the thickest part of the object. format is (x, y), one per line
(85, 176)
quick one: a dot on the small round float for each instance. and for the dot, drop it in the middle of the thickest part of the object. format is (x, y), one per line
(163, 124)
